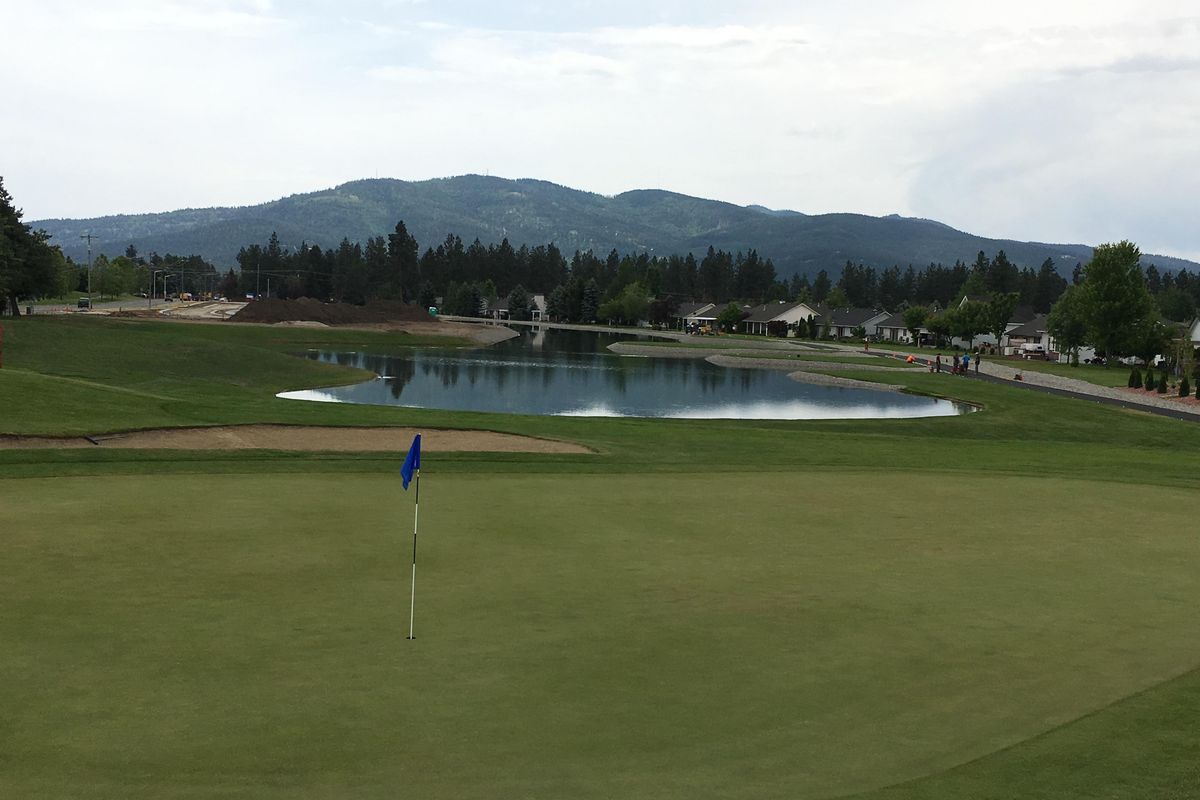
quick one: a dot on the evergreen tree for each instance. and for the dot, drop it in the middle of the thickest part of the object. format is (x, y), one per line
(1050, 286)
(837, 298)
(1002, 275)
(821, 287)
(1154, 283)
(228, 287)
(858, 283)
(400, 278)
(556, 304)
(29, 266)
(427, 295)
(891, 289)
(519, 303)
(715, 279)
(589, 305)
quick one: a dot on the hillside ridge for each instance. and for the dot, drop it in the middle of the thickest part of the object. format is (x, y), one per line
(533, 211)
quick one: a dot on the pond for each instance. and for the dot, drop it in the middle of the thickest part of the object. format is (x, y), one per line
(572, 373)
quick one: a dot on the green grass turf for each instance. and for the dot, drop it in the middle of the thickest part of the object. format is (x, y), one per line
(1102, 376)
(993, 605)
(169, 639)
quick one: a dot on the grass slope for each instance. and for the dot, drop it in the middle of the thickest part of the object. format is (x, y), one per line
(994, 605)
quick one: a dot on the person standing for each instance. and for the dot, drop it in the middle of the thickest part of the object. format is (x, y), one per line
(966, 363)
(977, 360)
(939, 362)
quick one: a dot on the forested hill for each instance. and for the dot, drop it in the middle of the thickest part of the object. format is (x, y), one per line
(535, 212)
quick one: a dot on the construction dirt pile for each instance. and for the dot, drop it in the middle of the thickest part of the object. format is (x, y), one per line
(306, 310)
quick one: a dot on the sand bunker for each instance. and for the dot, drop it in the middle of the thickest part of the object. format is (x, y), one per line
(306, 438)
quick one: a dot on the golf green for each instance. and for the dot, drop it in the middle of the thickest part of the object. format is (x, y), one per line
(802, 634)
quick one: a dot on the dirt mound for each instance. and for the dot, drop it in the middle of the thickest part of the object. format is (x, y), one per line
(308, 310)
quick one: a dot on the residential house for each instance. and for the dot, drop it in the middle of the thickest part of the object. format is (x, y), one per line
(537, 308)
(686, 315)
(893, 329)
(1194, 332)
(842, 321)
(770, 316)
(1032, 339)
(1028, 337)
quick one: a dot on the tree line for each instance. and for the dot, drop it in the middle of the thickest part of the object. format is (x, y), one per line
(582, 287)
(29, 265)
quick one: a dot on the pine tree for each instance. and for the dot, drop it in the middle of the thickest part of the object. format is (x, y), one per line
(590, 304)
(1184, 388)
(1162, 383)
(1135, 378)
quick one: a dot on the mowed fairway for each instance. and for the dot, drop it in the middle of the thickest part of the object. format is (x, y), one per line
(808, 633)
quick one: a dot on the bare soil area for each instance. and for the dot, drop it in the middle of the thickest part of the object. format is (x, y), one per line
(301, 438)
(272, 311)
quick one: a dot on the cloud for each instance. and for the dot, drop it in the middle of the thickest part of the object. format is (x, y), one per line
(1066, 120)
(225, 17)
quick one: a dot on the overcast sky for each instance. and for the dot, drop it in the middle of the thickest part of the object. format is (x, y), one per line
(1050, 120)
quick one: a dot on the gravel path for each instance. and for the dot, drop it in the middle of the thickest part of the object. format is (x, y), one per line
(1072, 387)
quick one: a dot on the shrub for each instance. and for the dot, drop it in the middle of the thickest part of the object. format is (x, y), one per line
(1135, 378)
(1184, 388)
(1162, 383)
(1150, 381)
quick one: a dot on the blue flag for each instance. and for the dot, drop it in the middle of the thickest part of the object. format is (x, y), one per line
(413, 462)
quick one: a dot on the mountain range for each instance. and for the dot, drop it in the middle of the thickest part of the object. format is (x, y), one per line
(537, 212)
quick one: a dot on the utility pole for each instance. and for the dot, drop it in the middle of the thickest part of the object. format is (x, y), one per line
(89, 238)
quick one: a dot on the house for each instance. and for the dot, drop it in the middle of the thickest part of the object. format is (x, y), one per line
(1194, 332)
(537, 308)
(893, 329)
(1021, 315)
(841, 322)
(1028, 337)
(706, 317)
(1032, 339)
(686, 315)
(771, 317)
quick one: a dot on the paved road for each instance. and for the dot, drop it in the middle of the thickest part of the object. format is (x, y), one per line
(115, 305)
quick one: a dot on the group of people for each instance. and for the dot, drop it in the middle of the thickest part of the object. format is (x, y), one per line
(958, 364)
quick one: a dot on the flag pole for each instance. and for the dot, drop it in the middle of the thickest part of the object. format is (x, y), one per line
(412, 602)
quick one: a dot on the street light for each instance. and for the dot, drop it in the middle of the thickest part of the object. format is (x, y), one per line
(153, 284)
(89, 238)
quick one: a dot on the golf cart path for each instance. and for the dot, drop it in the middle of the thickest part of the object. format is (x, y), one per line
(1065, 387)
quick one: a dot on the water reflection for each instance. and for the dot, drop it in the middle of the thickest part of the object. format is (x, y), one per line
(554, 372)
